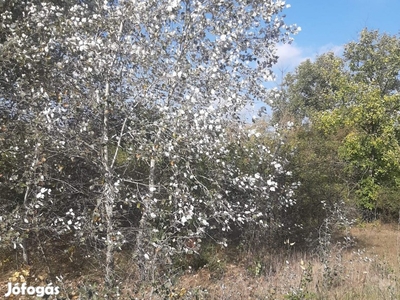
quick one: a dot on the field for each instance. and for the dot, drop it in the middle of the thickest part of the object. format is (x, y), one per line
(367, 268)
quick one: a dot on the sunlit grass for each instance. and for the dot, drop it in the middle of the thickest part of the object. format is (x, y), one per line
(369, 269)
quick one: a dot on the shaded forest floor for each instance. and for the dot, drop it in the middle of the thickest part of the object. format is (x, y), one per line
(368, 269)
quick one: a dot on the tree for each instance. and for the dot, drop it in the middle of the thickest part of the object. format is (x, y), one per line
(371, 110)
(374, 59)
(310, 89)
(354, 100)
(357, 95)
(126, 106)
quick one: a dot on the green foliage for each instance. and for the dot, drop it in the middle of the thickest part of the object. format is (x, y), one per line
(367, 193)
(388, 203)
(357, 95)
(315, 164)
(311, 88)
(372, 147)
(375, 60)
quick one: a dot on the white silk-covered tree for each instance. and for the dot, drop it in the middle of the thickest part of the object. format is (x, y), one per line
(126, 108)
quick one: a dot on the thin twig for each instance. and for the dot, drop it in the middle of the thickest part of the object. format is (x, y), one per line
(119, 143)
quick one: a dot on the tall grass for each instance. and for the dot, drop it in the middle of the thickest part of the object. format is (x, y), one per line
(366, 267)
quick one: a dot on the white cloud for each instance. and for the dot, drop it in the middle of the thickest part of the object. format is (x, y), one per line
(337, 50)
(291, 55)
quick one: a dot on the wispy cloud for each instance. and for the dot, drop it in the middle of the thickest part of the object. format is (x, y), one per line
(336, 49)
(291, 55)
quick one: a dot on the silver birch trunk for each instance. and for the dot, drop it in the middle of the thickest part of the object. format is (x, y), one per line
(144, 265)
(35, 163)
(108, 197)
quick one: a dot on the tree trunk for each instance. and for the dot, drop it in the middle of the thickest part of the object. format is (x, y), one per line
(108, 197)
(145, 267)
(33, 171)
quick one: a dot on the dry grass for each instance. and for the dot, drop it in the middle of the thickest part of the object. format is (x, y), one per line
(370, 269)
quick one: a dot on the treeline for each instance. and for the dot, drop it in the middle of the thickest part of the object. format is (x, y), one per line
(345, 130)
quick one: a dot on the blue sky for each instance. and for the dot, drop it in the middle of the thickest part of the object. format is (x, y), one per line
(328, 25)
